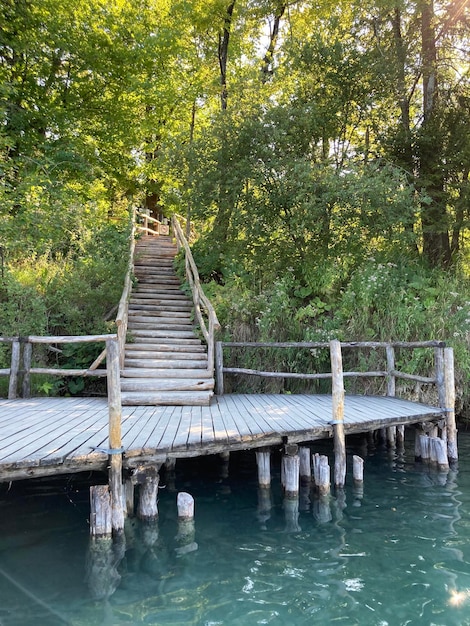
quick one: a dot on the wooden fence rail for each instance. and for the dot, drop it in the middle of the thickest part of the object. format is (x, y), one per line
(389, 372)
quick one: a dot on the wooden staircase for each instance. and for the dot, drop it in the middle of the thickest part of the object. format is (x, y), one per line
(166, 363)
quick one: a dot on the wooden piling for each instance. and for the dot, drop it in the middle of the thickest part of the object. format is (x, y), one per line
(425, 447)
(338, 413)
(400, 435)
(290, 471)
(439, 453)
(100, 511)
(148, 479)
(129, 491)
(391, 436)
(305, 465)
(358, 469)
(263, 461)
(186, 527)
(185, 504)
(264, 506)
(322, 474)
(115, 453)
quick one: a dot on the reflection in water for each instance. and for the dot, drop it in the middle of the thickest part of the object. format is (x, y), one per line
(393, 551)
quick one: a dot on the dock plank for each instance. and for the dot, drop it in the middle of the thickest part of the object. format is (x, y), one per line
(54, 435)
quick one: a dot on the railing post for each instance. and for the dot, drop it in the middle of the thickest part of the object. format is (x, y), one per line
(439, 373)
(14, 367)
(390, 370)
(219, 371)
(450, 405)
(337, 393)
(115, 450)
(27, 357)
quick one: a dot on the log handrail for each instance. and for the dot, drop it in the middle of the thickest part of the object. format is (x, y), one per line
(123, 307)
(16, 369)
(202, 305)
(144, 228)
(391, 373)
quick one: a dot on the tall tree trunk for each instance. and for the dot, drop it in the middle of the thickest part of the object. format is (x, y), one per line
(268, 57)
(404, 142)
(224, 39)
(436, 245)
(225, 204)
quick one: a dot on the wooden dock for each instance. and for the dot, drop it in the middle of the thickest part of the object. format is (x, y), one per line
(161, 407)
(50, 436)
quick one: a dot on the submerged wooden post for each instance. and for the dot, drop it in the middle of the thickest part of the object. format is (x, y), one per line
(225, 458)
(100, 511)
(439, 453)
(449, 381)
(358, 469)
(115, 450)
(337, 393)
(425, 447)
(263, 461)
(290, 471)
(148, 479)
(358, 479)
(321, 474)
(401, 435)
(264, 506)
(305, 465)
(14, 367)
(129, 490)
(186, 528)
(185, 504)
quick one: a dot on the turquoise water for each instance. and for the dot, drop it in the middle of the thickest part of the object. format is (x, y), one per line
(400, 555)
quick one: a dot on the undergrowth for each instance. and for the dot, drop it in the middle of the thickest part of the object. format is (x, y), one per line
(381, 301)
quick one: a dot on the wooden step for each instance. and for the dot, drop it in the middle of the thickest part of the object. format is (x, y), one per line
(167, 354)
(155, 311)
(166, 398)
(175, 314)
(142, 372)
(173, 306)
(150, 289)
(170, 341)
(132, 348)
(167, 384)
(163, 334)
(163, 363)
(163, 326)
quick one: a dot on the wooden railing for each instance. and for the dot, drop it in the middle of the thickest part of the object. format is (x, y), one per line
(204, 311)
(21, 368)
(389, 372)
(443, 378)
(159, 228)
(123, 308)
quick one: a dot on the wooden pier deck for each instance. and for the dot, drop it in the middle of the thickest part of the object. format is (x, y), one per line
(50, 436)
